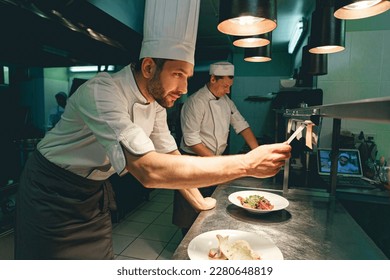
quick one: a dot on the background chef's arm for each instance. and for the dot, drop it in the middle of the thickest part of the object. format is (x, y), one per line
(249, 137)
(194, 197)
(241, 126)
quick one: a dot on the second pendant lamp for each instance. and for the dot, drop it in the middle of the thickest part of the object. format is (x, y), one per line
(327, 32)
(252, 41)
(258, 54)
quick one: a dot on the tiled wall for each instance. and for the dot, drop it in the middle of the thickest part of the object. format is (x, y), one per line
(361, 71)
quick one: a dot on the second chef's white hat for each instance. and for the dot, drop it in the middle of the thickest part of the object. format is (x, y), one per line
(170, 29)
(222, 68)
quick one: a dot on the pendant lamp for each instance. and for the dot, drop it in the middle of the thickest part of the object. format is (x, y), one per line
(247, 17)
(258, 54)
(260, 40)
(327, 32)
(356, 9)
(314, 64)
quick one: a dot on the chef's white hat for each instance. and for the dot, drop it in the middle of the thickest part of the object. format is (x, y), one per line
(170, 28)
(344, 155)
(222, 68)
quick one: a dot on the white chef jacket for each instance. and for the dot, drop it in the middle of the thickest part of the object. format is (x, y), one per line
(103, 113)
(206, 119)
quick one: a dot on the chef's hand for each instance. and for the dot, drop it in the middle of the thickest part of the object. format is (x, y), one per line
(196, 199)
(207, 204)
(266, 160)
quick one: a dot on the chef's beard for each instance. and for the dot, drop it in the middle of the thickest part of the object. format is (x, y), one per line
(156, 89)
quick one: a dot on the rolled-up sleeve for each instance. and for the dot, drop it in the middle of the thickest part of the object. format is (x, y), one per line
(105, 111)
(191, 120)
(161, 135)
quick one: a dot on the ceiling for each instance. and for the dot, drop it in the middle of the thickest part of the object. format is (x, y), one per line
(79, 33)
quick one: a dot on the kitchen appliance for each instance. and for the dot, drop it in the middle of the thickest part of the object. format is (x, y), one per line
(352, 177)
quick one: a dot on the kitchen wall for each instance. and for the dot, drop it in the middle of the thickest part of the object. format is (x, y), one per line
(361, 71)
(260, 80)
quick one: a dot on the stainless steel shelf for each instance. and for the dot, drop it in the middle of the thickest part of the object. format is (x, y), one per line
(373, 109)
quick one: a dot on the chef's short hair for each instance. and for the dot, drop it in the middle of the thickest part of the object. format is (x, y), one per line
(221, 77)
(159, 62)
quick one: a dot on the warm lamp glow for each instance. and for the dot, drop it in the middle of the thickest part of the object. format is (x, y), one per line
(262, 54)
(260, 40)
(247, 17)
(327, 49)
(327, 33)
(246, 20)
(356, 9)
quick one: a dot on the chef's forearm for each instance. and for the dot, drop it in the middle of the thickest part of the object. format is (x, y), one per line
(195, 199)
(249, 138)
(155, 170)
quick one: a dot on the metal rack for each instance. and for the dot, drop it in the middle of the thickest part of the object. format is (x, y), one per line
(373, 109)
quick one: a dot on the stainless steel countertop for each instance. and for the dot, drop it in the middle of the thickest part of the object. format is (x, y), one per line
(310, 228)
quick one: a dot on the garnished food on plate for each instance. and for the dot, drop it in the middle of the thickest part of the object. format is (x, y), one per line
(256, 202)
(236, 250)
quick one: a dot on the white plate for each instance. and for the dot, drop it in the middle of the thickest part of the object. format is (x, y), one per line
(279, 202)
(199, 247)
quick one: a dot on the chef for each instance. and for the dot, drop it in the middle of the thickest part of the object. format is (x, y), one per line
(206, 117)
(117, 124)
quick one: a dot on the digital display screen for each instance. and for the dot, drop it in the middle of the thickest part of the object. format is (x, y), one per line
(349, 163)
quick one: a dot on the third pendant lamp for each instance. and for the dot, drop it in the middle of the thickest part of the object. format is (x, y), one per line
(356, 9)
(253, 41)
(258, 54)
(327, 32)
(314, 64)
(246, 17)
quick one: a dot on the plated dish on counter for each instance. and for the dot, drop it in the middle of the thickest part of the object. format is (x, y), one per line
(233, 245)
(258, 202)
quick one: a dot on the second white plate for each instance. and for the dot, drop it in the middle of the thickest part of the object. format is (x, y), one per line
(279, 202)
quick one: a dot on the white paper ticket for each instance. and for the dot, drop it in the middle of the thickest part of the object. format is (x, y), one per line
(296, 132)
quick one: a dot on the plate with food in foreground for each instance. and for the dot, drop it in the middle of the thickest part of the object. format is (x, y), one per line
(258, 202)
(233, 245)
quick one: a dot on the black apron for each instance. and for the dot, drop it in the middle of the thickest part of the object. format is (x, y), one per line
(60, 215)
(184, 215)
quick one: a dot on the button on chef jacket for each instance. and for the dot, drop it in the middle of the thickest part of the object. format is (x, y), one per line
(207, 119)
(103, 113)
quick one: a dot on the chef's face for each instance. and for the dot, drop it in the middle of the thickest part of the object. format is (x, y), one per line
(221, 85)
(170, 82)
(343, 160)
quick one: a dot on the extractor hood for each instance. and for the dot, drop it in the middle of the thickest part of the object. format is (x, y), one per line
(61, 33)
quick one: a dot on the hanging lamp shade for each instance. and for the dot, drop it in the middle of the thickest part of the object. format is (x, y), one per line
(258, 54)
(356, 9)
(260, 40)
(246, 17)
(314, 64)
(327, 32)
